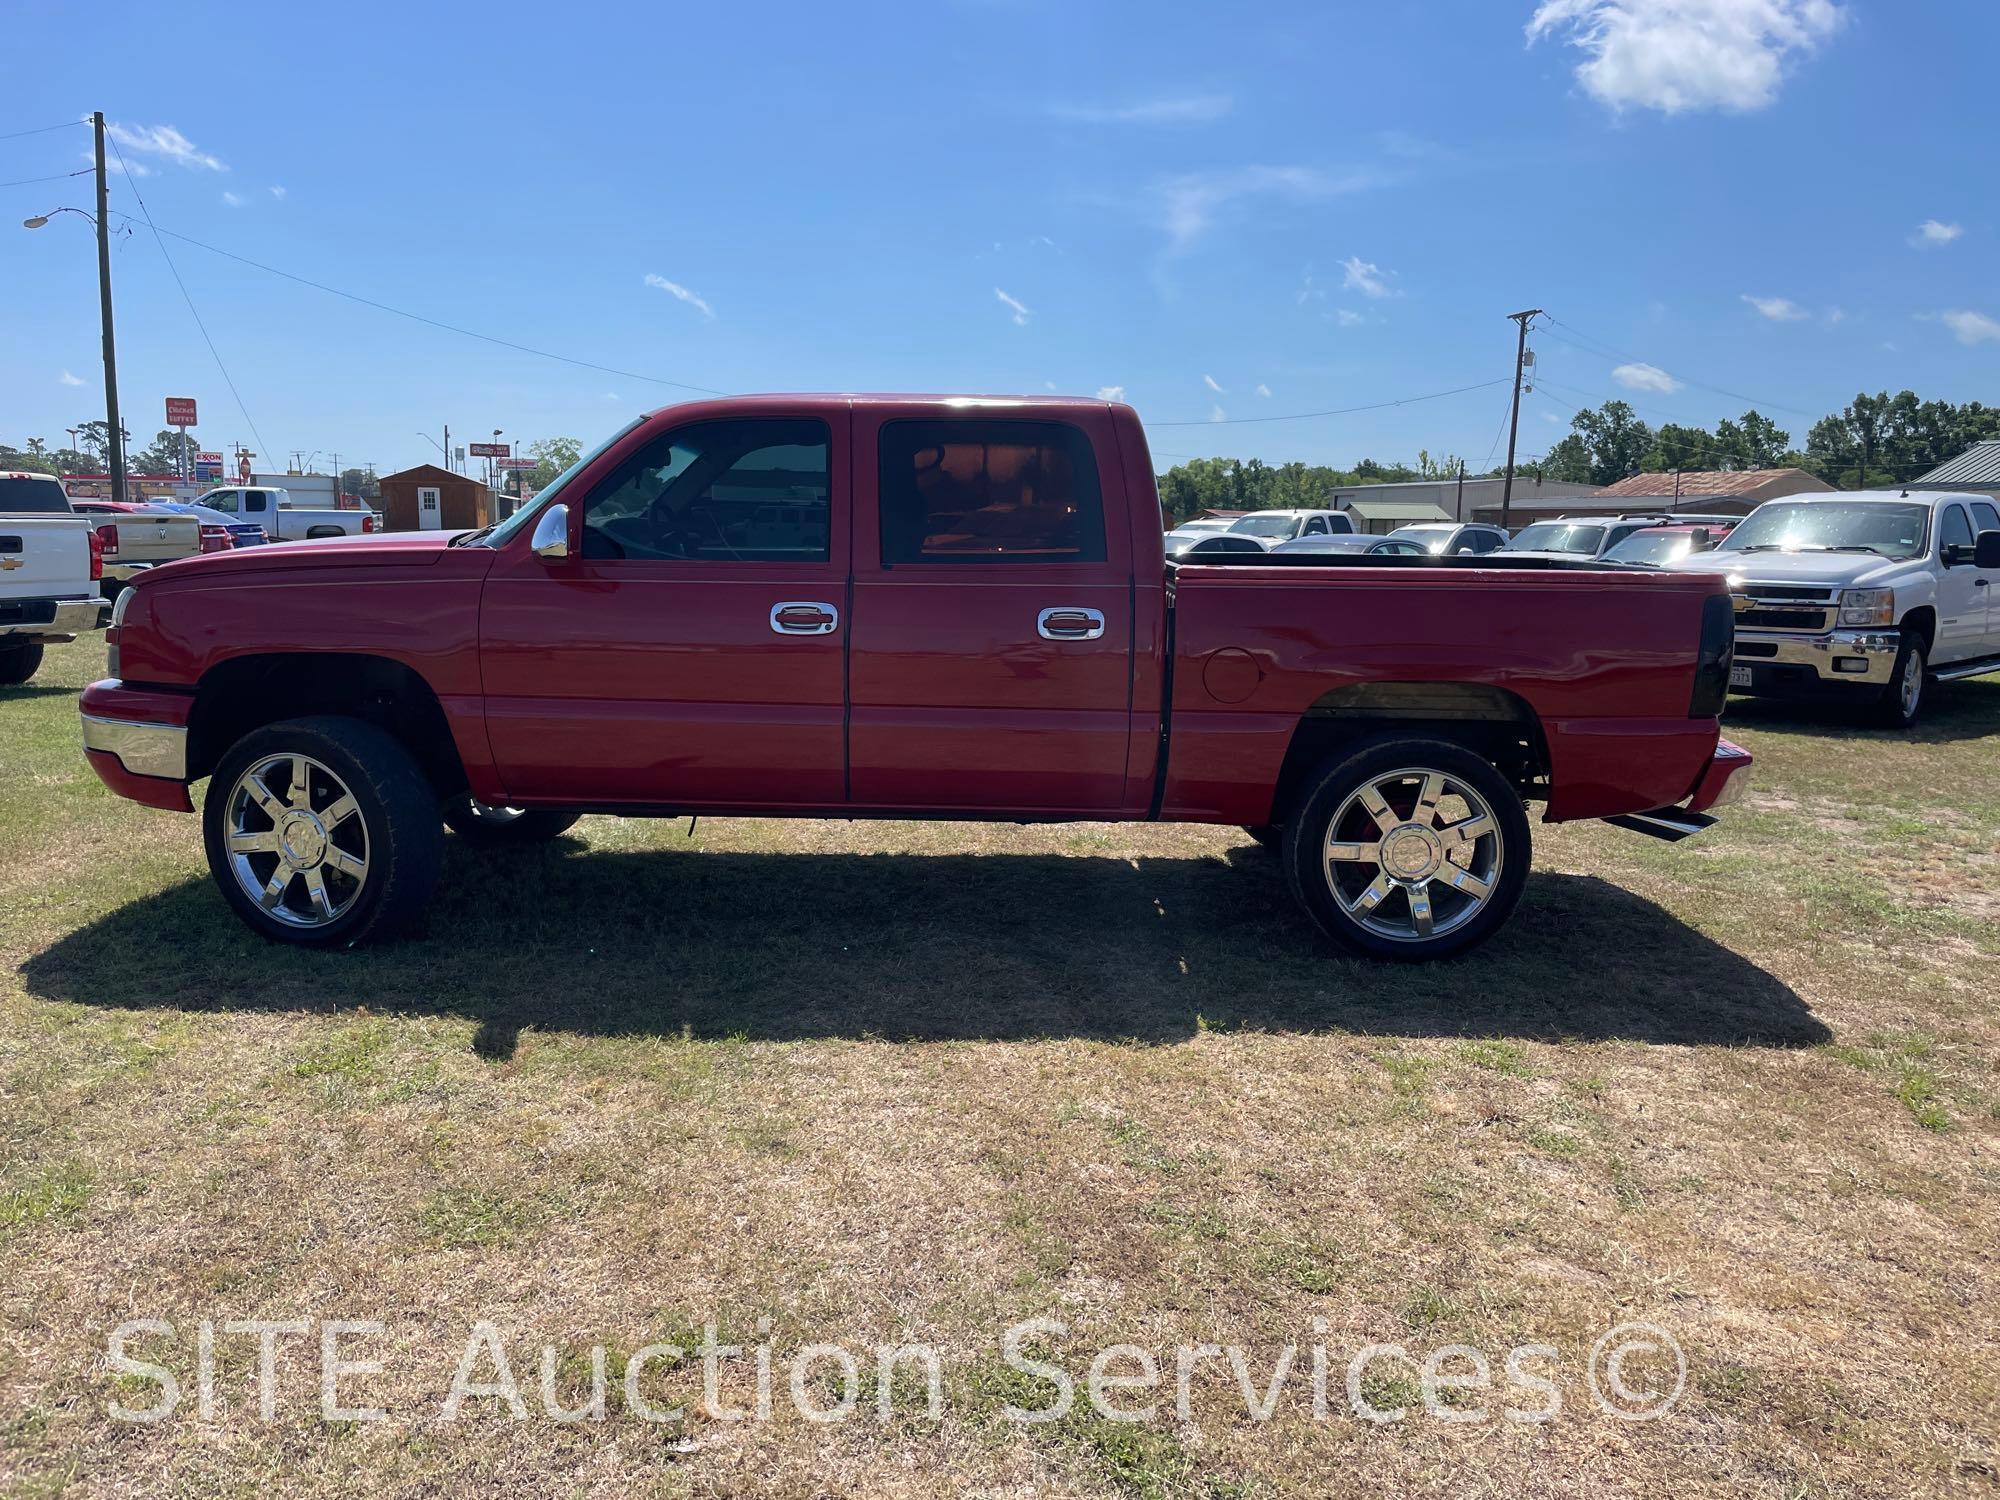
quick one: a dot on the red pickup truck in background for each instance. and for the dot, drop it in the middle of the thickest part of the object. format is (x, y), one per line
(912, 607)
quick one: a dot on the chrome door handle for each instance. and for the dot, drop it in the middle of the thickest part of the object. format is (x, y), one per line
(804, 617)
(1068, 622)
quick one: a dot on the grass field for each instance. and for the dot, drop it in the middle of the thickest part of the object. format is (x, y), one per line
(874, 1084)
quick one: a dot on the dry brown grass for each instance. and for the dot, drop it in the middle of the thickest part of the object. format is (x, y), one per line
(886, 1083)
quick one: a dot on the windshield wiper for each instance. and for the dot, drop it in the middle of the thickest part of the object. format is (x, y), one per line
(467, 538)
(1855, 547)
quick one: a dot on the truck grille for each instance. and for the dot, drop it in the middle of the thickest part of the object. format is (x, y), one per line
(1781, 606)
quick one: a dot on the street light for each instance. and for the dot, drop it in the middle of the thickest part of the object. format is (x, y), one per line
(113, 427)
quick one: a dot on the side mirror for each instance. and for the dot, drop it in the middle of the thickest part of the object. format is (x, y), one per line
(551, 539)
(1986, 550)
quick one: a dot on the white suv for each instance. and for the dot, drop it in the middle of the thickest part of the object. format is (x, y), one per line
(1276, 526)
(1862, 593)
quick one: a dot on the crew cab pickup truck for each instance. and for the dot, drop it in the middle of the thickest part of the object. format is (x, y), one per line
(903, 607)
(51, 567)
(1862, 595)
(283, 521)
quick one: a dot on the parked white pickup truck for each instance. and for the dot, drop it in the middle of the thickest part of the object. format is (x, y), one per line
(282, 520)
(1863, 594)
(49, 572)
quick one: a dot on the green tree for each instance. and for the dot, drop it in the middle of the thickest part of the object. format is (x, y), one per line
(551, 456)
(1617, 439)
(164, 454)
(360, 482)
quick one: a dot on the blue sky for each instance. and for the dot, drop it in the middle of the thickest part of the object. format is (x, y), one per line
(1334, 204)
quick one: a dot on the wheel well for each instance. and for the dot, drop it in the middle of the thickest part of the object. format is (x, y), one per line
(249, 692)
(1924, 622)
(1489, 721)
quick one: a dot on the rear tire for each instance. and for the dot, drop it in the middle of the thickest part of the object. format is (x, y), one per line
(322, 832)
(19, 660)
(497, 827)
(1407, 848)
(1903, 699)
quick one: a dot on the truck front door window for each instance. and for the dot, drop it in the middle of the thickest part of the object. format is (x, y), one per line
(746, 491)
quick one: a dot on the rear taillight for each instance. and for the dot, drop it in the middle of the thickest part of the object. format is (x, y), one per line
(97, 554)
(367, 522)
(1718, 650)
(107, 539)
(216, 538)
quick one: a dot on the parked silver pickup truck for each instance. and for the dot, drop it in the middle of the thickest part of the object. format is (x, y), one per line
(1862, 594)
(283, 521)
(49, 572)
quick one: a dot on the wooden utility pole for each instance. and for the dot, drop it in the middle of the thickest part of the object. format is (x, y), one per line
(114, 430)
(1514, 421)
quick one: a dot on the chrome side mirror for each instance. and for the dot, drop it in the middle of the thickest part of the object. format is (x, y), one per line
(551, 539)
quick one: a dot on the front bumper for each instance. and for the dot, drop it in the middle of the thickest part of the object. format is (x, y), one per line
(53, 620)
(1839, 658)
(136, 740)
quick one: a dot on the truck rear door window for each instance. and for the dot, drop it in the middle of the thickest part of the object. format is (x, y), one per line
(989, 491)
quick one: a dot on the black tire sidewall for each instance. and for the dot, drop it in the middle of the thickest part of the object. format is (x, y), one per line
(1332, 783)
(397, 806)
(1889, 708)
(19, 660)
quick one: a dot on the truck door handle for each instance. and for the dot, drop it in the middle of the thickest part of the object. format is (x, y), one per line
(804, 617)
(1070, 623)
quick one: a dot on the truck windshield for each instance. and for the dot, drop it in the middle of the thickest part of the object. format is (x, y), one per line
(31, 496)
(1832, 526)
(1268, 525)
(498, 536)
(1652, 547)
(1558, 536)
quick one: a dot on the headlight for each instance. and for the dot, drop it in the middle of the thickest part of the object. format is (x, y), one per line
(1867, 606)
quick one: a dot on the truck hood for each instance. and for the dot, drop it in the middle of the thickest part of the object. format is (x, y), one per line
(1833, 569)
(405, 549)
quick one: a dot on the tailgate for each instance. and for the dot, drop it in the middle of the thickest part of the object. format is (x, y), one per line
(44, 557)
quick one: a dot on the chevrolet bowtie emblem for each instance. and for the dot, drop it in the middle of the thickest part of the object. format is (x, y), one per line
(9, 564)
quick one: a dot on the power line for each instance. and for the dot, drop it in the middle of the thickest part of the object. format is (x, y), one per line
(53, 177)
(1340, 411)
(1606, 352)
(15, 135)
(320, 286)
(214, 353)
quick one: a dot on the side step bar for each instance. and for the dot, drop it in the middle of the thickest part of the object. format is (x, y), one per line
(1670, 823)
(1960, 670)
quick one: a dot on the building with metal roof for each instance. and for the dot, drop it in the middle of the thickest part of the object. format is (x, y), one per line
(1977, 468)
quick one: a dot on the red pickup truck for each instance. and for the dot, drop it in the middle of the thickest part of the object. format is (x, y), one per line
(909, 607)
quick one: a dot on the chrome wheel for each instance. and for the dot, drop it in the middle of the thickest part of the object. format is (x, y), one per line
(1910, 687)
(1413, 854)
(296, 841)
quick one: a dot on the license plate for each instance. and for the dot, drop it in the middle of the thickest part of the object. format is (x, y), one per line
(1740, 676)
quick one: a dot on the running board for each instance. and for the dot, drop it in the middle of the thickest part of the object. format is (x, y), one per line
(1965, 669)
(1670, 823)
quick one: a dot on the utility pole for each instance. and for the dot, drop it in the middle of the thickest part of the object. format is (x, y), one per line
(113, 428)
(1514, 421)
(1458, 505)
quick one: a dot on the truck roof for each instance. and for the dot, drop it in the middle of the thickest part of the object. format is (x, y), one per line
(760, 403)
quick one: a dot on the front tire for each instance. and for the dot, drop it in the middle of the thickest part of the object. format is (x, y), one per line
(19, 660)
(1903, 698)
(1408, 849)
(322, 832)
(497, 827)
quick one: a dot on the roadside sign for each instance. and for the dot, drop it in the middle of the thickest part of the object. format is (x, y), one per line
(207, 467)
(517, 463)
(488, 450)
(180, 412)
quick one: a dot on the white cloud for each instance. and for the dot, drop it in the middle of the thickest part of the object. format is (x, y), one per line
(1971, 327)
(1190, 203)
(232, 200)
(1111, 393)
(1263, 390)
(67, 379)
(610, 396)
(1347, 317)
(1644, 377)
(276, 191)
(676, 290)
(1014, 306)
(1210, 382)
(1674, 55)
(163, 141)
(1308, 291)
(1181, 109)
(1931, 234)
(1835, 316)
(1365, 277)
(1217, 414)
(115, 163)
(1778, 309)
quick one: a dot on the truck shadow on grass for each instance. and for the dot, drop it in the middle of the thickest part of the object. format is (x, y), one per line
(931, 947)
